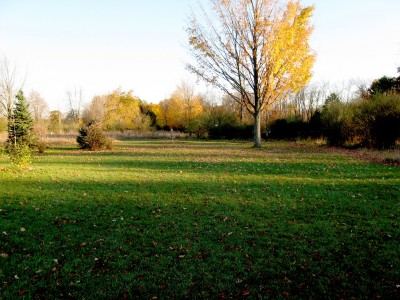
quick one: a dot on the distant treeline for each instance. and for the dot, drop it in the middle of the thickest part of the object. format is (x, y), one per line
(370, 119)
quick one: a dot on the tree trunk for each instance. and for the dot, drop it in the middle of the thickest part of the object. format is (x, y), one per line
(257, 129)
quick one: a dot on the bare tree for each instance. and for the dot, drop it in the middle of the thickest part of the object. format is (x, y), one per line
(8, 87)
(238, 108)
(96, 110)
(74, 102)
(38, 106)
(256, 51)
(305, 102)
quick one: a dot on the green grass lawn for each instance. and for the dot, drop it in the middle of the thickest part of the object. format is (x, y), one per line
(220, 220)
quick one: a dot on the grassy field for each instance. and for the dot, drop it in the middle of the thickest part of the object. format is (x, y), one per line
(219, 220)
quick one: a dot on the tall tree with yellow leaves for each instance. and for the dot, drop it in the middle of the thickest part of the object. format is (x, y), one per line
(256, 51)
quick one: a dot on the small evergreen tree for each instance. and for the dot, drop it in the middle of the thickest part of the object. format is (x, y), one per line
(19, 132)
(92, 137)
(21, 123)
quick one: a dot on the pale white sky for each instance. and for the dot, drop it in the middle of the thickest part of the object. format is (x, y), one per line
(100, 45)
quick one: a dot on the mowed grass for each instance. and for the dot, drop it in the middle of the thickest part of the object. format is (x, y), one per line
(205, 220)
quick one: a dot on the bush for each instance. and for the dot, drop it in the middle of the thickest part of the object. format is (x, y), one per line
(294, 128)
(231, 132)
(378, 121)
(92, 137)
(337, 123)
(39, 137)
(218, 123)
(289, 129)
(20, 155)
(315, 125)
(41, 146)
(372, 122)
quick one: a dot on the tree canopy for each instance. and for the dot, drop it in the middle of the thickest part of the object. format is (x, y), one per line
(256, 51)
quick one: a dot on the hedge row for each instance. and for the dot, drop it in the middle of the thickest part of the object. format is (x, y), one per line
(372, 123)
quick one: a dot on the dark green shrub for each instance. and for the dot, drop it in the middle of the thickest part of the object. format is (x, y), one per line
(315, 125)
(231, 132)
(218, 122)
(378, 120)
(289, 129)
(92, 137)
(20, 155)
(337, 123)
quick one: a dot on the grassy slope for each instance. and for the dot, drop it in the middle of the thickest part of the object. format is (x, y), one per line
(205, 220)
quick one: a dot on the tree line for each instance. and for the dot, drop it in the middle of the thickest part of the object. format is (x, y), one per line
(369, 119)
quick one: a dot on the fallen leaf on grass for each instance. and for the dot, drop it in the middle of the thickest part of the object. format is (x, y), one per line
(287, 280)
(5, 255)
(233, 249)
(226, 234)
(246, 292)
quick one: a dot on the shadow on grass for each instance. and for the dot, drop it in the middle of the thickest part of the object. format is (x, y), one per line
(177, 240)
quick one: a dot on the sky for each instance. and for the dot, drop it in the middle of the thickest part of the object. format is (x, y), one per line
(101, 45)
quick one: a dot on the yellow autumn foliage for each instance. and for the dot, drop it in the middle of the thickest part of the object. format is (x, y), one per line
(181, 110)
(123, 112)
(256, 51)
